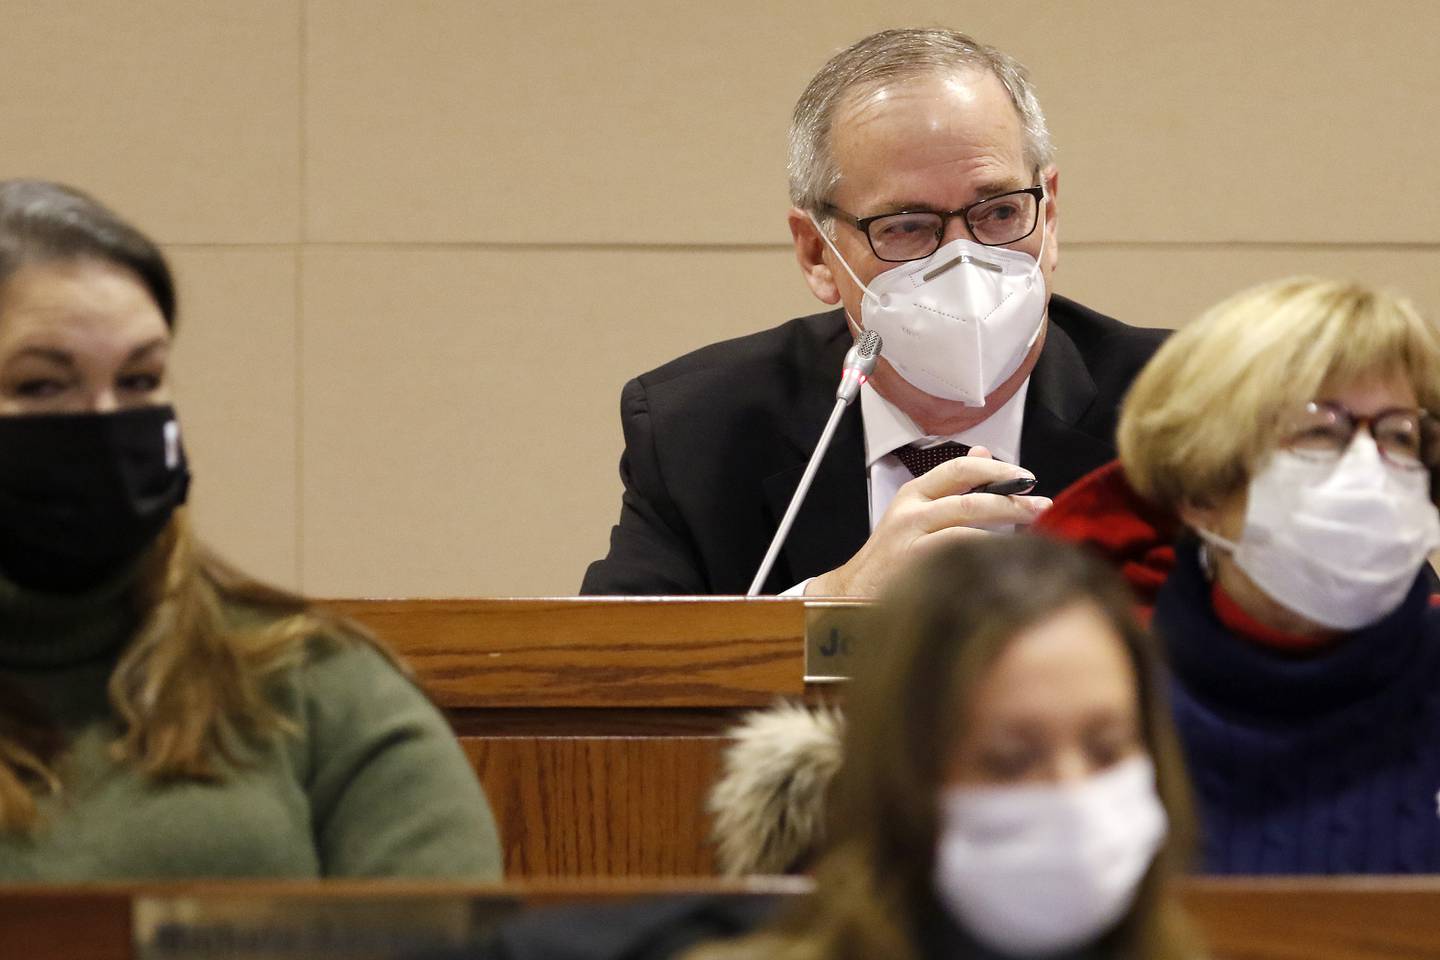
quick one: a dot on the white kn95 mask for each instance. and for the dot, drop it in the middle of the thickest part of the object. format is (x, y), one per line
(960, 322)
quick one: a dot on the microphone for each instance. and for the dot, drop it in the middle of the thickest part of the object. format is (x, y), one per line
(859, 364)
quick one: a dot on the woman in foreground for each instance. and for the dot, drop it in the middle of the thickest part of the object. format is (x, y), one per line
(1011, 785)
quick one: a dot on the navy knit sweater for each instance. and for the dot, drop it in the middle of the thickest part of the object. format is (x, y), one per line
(1325, 763)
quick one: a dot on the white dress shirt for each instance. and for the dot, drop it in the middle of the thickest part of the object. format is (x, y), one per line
(887, 427)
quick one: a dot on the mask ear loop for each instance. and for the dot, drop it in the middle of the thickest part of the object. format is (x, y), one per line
(1210, 542)
(855, 328)
(1040, 256)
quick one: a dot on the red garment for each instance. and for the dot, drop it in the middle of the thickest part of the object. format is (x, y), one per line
(1240, 623)
(1102, 511)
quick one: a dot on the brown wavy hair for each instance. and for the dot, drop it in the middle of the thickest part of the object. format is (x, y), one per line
(191, 688)
(931, 641)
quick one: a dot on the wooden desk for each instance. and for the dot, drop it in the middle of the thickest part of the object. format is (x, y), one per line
(1243, 919)
(1292, 918)
(101, 921)
(596, 724)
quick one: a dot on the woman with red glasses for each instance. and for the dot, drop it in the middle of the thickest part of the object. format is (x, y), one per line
(1288, 435)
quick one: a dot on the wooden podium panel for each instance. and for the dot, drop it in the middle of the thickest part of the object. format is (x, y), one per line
(596, 724)
(611, 652)
(1293, 918)
(583, 805)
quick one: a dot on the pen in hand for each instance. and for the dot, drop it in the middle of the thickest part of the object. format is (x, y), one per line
(1007, 488)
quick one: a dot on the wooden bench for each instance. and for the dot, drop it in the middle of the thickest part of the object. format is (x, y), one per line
(1381, 918)
(596, 724)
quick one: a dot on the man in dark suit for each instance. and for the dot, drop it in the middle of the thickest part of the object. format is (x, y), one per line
(924, 195)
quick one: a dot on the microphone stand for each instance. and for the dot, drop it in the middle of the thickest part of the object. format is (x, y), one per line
(859, 364)
(798, 498)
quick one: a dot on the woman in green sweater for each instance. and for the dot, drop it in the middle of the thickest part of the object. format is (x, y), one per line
(161, 714)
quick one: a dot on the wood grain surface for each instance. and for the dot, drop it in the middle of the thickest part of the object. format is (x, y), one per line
(595, 724)
(65, 924)
(1351, 918)
(595, 651)
(1342, 918)
(600, 806)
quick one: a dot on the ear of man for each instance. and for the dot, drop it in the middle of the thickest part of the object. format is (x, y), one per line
(810, 253)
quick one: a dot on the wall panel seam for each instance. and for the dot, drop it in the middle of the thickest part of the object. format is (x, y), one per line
(302, 15)
(586, 247)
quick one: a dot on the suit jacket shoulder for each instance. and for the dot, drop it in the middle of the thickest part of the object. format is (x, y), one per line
(710, 441)
(755, 367)
(1085, 369)
(1113, 351)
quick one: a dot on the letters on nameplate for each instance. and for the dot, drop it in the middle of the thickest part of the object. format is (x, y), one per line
(834, 631)
(310, 927)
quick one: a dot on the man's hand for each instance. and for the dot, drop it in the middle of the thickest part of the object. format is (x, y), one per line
(932, 510)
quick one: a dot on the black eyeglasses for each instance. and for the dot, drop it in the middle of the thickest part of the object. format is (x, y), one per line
(913, 234)
(1406, 437)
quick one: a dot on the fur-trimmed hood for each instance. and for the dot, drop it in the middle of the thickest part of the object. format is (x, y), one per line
(770, 801)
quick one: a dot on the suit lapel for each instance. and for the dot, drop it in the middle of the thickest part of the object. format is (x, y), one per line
(1061, 391)
(835, 518)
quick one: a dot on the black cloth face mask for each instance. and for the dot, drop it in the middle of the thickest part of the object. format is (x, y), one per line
(83, 494)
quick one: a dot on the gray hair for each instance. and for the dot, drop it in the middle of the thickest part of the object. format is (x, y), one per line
(882, 58)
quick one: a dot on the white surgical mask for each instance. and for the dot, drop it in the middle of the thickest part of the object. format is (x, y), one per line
(1339, 542)
(958, 323)
(1039, 869)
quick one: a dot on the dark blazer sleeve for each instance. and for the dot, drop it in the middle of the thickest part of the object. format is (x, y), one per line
(651, 552)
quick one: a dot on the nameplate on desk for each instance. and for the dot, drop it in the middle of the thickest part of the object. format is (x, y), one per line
(312, 927)
(834, 633)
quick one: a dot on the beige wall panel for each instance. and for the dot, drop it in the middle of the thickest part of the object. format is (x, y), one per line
(1241, 120)
(651, 121)
(184, 115)
(640, 122)
(235, 376)
(461, 424)
(1169, 286)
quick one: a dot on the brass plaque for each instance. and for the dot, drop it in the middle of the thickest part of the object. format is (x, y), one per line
(833, 636)
(310, 927)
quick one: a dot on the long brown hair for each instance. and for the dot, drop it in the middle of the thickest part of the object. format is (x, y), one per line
(931, 641)
(190, 690)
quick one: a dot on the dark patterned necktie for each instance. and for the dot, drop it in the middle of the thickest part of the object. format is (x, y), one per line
(921, 460)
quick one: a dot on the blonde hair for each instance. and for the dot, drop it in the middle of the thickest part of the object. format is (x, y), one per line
(1211, 403)
(191, 688)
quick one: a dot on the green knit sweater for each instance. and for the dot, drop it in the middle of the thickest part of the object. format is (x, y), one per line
(373, 784)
